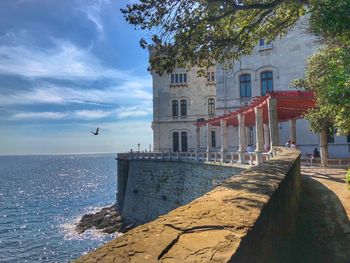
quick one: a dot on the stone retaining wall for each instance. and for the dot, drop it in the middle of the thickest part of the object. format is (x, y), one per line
(248, 218)
(155, 187)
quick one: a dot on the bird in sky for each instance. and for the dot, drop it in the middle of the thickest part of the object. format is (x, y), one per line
(96, 132)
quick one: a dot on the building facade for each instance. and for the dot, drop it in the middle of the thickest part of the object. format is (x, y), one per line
(181, 98)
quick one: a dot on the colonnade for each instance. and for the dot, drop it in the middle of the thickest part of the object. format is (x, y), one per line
(266, 134)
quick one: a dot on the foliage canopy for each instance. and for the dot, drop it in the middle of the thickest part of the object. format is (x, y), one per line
(185, 33)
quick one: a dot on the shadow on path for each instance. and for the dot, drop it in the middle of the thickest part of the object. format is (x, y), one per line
(323, 230)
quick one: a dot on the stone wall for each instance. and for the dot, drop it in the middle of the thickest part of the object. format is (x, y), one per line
(122, 172)
(248, 218)
(156, 187)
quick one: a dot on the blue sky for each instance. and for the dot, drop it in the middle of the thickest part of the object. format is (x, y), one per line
(67, 67)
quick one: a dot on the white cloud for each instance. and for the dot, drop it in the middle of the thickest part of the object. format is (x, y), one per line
(90, 114)
(129, 92)
(93, 12)
(136, 111)
(64, 61)
(40, 115)
(79, 114)
(120, 113)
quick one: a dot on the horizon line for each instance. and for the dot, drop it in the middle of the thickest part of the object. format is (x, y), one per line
(41, 154)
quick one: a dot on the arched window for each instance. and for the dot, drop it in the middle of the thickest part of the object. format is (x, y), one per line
(175, 108)
(245, 85)
(183, 104)
(266, 82)
(211, 107)
(210, 76)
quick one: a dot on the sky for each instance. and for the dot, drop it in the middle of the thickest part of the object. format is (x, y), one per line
(67, 67)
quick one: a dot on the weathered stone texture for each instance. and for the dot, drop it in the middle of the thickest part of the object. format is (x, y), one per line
(123, 171)
(156, 187)
(246, 219)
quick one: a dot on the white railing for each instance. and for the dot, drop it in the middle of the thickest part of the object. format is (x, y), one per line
(227, 157)
(219, 157)
(335, 163)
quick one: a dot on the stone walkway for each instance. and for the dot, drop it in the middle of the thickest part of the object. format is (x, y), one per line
(334, 180)
(323, 227)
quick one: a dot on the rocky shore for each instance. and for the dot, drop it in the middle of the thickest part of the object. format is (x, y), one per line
(108, 219)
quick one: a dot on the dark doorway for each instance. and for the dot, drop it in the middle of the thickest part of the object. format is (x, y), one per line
(184, 141)
(175, 141)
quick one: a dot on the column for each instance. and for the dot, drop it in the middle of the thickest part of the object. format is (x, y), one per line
(323, 148)
(259, 135)
(223, 124)
(273, 122)
(241, 138)
(293, 130)
(198, 134)
(266, 136)
(208, 141)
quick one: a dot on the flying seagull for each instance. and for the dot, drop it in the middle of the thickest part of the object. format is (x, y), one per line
(96, 132)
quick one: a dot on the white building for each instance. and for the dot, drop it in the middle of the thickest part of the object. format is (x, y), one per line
(181, 98)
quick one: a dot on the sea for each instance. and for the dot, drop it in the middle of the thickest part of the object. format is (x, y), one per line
(43, 197)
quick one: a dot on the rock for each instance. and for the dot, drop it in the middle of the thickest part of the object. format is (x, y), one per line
(114, 228)
(108, 219)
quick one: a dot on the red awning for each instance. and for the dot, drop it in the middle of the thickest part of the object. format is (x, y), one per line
(290, 105)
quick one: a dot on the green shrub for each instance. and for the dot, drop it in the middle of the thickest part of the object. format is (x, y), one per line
(347, 177)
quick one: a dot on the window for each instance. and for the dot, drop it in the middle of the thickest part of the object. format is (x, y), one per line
(264, 45)
(213, 139)
(245, 85)
(175, 108)
(330, 137)
(178, 78)
(183, 107)
(210, 76)
(262, 42)
(175, 142)
(348, 138)
(184, 141)
(266, 82)
(211, 106)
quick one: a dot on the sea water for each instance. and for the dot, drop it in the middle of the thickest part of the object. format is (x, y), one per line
(43, 197)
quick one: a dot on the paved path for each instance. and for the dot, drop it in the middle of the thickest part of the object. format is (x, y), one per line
(334, 180)
(323, 227)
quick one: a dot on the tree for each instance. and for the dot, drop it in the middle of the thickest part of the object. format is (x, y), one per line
(328, 70)
(202, 32)
(328, 76)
